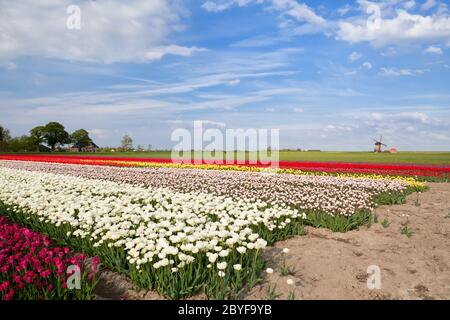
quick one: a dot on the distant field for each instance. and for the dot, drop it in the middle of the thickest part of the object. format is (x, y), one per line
(441, 158)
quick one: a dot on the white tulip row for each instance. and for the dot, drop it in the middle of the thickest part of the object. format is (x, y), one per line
(153, 225)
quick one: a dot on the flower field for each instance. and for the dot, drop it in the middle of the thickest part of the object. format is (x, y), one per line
(421, 172)
(174, 229)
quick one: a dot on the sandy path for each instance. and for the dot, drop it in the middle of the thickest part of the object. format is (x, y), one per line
(329, 265)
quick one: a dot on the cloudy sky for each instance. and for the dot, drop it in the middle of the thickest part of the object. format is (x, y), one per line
(330, 75)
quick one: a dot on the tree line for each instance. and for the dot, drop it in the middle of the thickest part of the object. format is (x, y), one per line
(53, 135)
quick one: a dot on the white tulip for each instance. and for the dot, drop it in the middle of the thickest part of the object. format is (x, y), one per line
(222, 265)
(213, 257)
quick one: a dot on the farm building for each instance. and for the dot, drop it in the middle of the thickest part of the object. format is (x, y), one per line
(43, 148)
(92, 147)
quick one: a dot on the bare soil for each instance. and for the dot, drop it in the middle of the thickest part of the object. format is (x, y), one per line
(328, 265)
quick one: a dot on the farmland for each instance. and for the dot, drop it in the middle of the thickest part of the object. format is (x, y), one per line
(180, 230)
(435, 158)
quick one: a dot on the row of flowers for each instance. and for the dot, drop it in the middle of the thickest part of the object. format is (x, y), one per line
(431, 171)
(318, 170)
(31, 268)
(307, 193)
(162, 239)
(409, 177)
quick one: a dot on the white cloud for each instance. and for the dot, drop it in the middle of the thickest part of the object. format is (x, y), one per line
(402, 27)
(390, 52)
(8, 65)
(213, 123)
(375, 116)
(299, 19)
(291, 10)
(101, 133)
(397, 25)
(111, 31)
(419, 116)
(338, 128)
(344, 10)
(234, 82)
(298, 110)
(39, 79)
(367, 65)
(427, 5)
(354, 56)
(409, 4)
(219, 6)
(270, 109)
(158, 52)
(129, 103)
(258, 41)
(433, 49)
(438, 136)
(216, 7)
(402, 72)
(299, 11)
(405, 117)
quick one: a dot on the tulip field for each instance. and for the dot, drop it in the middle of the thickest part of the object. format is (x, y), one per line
(177, 229)
(423, 172)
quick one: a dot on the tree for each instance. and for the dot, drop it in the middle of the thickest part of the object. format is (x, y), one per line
(37, 135)
(4, 139)
(54, 134)
(127, 142)
(80, 138)
(22, 144)
(4, 134)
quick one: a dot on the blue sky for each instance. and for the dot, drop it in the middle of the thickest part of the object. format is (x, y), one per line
(330, 75)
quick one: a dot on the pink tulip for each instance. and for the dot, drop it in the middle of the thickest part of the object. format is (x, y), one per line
(29, 262)
(4, 286)
(9, 295)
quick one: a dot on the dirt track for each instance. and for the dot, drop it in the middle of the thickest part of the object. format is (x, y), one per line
(329, 265)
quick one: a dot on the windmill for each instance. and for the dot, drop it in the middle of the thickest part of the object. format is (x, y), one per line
(378, 144)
